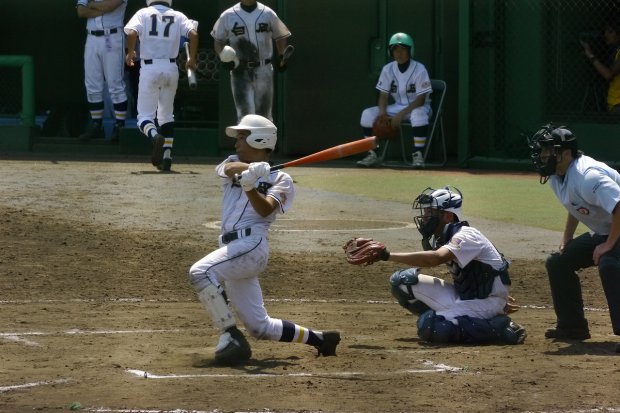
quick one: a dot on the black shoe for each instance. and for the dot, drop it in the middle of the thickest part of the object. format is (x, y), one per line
(166, 164)
(571, 334)
(158, 150)
(329, 344)
(235, 348)
(115, 133)
(94, 131)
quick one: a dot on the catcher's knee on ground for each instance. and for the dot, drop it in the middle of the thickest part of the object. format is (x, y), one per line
(400, 286)
(436, 329)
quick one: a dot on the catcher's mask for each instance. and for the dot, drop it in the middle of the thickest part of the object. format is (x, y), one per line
(546, 148)
(263, 133)
(430, 204)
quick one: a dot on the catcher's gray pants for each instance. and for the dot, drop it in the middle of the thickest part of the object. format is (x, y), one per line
(566, 287)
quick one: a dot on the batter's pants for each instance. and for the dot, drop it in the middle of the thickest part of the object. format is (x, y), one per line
(566, 286)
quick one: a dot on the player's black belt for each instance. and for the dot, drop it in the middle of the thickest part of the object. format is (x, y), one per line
(99, 33)
(233, 235)
(259, 63)
(150, 61)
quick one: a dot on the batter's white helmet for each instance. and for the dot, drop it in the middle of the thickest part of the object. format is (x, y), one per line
(263, 133)
(168, 2)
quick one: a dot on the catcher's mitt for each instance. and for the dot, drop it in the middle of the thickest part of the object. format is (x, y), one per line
(365, 251)
(382, 128)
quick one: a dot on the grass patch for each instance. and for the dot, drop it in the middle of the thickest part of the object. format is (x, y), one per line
(512, 198)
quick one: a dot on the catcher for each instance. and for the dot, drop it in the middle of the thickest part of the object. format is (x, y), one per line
(471, 309)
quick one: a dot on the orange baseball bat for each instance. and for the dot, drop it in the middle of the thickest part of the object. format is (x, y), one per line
(335, 152)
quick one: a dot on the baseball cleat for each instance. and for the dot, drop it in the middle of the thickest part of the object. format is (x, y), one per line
(165, 165)
(95, 131)
(370, 160)
(158, 150)
(232, 348)
(417, 159)
(571, 334)
(330, 342)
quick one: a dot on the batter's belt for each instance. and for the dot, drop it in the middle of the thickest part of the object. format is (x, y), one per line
(234, 235)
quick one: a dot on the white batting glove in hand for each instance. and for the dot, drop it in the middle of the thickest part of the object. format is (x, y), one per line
(247, 180)
(260, 169)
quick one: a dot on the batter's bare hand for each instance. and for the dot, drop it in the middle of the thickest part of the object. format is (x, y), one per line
(511, 306)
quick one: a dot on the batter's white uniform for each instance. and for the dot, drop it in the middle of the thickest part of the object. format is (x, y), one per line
(238, 264)
(104, 55)
(467, 244)
(404, 89)
(251, 35)
(159, 30)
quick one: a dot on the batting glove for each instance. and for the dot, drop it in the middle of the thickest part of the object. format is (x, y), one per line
(260, 169)
(247, 180)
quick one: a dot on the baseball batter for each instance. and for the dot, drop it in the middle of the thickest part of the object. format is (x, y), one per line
(407, 82)
(590, 192)
(103, 61)
(250, 28)
(159, 29)
(253, 197)
(473, 308)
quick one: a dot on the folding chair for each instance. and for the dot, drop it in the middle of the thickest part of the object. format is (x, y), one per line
(436, 123)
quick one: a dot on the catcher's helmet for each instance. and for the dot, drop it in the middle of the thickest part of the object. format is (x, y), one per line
(401, 39)
(263, 133)
(553, 137)
(168, 2)
(430, 202)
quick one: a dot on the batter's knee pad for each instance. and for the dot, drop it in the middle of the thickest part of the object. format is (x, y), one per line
(403, 280)
(436, 329)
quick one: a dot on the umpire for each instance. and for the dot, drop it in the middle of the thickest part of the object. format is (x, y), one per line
(590, 192)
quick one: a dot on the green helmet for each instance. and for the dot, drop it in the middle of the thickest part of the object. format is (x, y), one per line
(402, 39)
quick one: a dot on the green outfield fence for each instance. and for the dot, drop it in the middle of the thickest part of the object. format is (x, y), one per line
(17, 88)
(521, 64)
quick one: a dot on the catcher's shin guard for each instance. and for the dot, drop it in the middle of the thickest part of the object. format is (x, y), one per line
(212, 297)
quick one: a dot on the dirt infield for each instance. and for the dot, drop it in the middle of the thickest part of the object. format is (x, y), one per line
(97, 308)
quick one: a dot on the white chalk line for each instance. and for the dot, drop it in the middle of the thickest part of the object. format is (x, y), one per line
(4, 389)
(271, 300)
(277, 227)
(432, 368)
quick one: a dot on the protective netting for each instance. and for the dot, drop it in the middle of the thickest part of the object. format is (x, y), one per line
(207, 70)
(198, 108)
(527, 66)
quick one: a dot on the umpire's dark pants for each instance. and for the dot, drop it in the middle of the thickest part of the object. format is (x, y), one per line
(566, 287)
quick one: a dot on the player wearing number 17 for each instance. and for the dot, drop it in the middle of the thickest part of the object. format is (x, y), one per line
(159, 29)
(253, 197)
